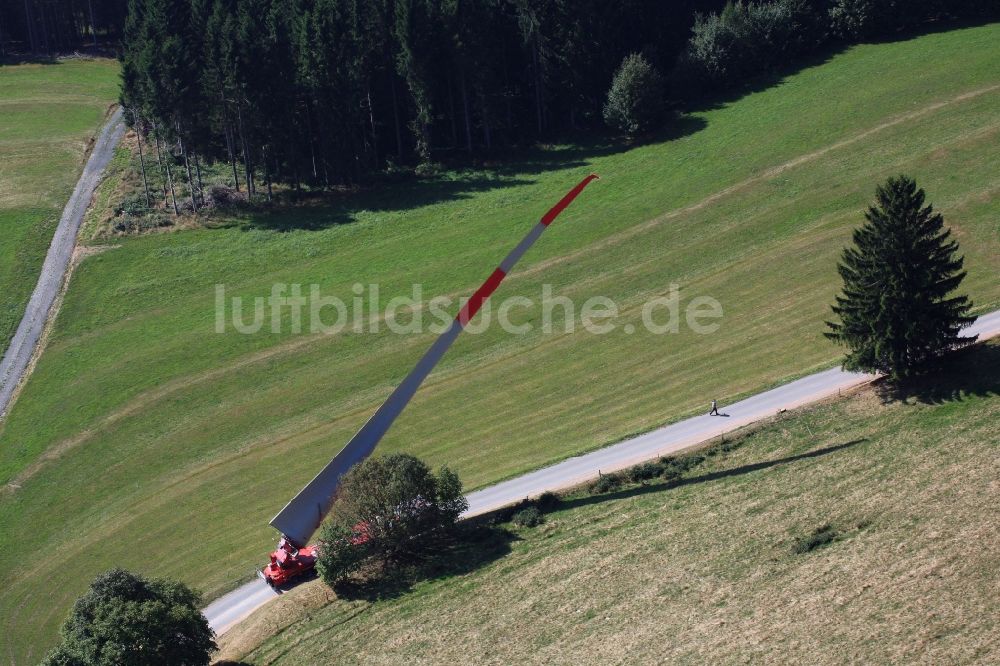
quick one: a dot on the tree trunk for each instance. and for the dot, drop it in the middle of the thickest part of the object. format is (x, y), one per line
(312, 141)
(506, 93)
(93, 26)
(232, 156)
(142, 162)
(201, 187)
(538, 84)
(75, 28)
(228, 131)
(395, 117)
(487, 135)
(246, 153)
(267, 173)
(322, 143)
(170, 179)
(29, 20)
(187, 167)
(468, 118)
(45, 31)
(371, 120)
(451, 108)
(159, 162)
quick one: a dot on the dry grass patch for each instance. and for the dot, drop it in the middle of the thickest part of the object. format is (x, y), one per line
(707, 571)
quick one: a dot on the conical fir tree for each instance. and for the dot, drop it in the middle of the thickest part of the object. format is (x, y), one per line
(898, 312)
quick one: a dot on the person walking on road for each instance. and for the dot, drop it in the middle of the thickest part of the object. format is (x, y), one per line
(715, 409)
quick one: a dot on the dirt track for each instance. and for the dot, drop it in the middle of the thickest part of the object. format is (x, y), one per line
(17, 358)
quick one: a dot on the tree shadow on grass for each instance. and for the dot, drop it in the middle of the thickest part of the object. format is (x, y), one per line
(973, 371)
(501, 170)
(776, 77)
(12, 59)
(579, 152)
(330, 210)
(703, 478)
(479, 543)
(471, 547)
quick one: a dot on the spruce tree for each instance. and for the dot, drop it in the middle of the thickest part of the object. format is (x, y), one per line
(898, 311)
(416, 34)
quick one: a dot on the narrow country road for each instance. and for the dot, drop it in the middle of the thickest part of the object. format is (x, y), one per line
(22, 346)
(226, 611)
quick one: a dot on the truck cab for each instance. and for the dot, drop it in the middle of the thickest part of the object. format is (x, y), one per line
(288, 563)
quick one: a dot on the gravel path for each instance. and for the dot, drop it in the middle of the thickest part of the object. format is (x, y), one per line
(17, 358)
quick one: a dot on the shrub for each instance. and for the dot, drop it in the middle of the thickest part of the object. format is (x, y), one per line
(605, 484)
(530, 517)
(820, 537)
(506, 514)
(138, 224)
(429, 169)
(548, 502)
(223, 195)
(645, 472)
(851, 20)
(747, 39)
(635, 99)
(683, 463)
(671, 473)
(674, 467)
(132, 205)
(855, 20)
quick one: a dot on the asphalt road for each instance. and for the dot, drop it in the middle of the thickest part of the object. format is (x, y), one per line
(226, 611)
(22, 346)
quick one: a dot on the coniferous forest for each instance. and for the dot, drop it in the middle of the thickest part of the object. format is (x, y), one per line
(326, 92)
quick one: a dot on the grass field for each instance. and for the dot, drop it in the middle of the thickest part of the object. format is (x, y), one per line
(708, 571)
(48, 115)
(148, 441)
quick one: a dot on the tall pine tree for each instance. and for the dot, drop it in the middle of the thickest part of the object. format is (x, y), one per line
(898, 311)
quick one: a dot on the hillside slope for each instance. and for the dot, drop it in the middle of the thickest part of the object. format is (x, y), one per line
(707, 572)
(144, 439)
(48, 115)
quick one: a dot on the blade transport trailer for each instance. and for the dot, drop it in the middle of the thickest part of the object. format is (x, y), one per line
(303, 514)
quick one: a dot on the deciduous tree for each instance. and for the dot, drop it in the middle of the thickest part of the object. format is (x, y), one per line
(128, 620)
(387, 510)
(635, 100)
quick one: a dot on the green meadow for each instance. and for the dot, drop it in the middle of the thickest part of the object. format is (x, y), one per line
(48, 115)
(145, 439)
